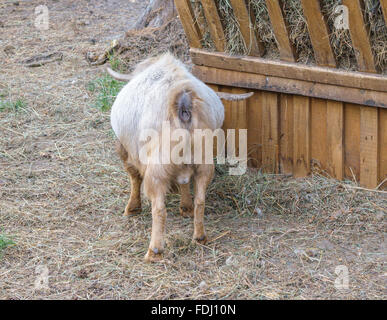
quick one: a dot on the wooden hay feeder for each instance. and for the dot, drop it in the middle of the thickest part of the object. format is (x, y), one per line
(302, 118)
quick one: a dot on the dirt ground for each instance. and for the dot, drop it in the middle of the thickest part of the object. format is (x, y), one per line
(63, 191)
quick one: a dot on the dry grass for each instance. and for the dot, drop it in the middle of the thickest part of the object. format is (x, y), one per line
(141, 44)
(340, 39)
(63, 191)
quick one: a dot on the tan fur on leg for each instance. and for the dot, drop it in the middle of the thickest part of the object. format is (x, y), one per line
(203, 177)
(156, 189)
(134, 203)
(186, 207)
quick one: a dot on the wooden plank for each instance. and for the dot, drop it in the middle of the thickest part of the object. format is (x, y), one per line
(359, 36)
(301, 136)
(318, 135)
(283, 85)
(254, 48)
(335, 139)
(290, 70)
(281, 30)
(214, 24)
(227, 123)
(215, 150)
(352, 141)
(368, 147)
(383, 4)
(239, 115)
(190, 26)
(254, 133)
(270, 139)
(286, 134)
(325, 150)
(199, 15)
(318, 32)
(383, 146)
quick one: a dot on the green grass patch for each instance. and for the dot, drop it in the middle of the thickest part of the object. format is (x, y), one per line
(106, 89)
(4, 243)
(12, 106)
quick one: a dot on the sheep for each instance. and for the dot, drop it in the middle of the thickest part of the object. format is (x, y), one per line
(161, 89)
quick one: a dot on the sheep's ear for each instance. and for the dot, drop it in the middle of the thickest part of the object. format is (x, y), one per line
(234, 97)
(119, 76)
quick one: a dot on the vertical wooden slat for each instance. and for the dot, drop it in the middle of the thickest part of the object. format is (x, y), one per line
(286, 134)
(352, 141)
(215, 150)
(213, 20)
(241, 13)
(190, 26)
(227, 123)
(335, 132)
(383, 4)
(318, 32)
(301, 125)
(254, 132)
(327, 132)
(359, 36)
(368, 147)
(280, 29)
(199, 15)
(327, 137)
(383, 146)
(270, 132)
(318, 134)
(239, 114)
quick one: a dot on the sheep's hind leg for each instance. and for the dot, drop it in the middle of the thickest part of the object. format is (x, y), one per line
(156, 191)
(186, 207)
(202, 179)
(134, 203)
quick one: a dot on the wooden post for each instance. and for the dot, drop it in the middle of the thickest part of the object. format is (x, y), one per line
(189, 23)
(254, 133)
(335, 138)
(254, 48)
(301, 136)
(352, 141)
(318, 32)
(270, 139)
(368, 147)
(359, 36)
(280, 30)
(383, 146)
(213, 20)
(286, 134)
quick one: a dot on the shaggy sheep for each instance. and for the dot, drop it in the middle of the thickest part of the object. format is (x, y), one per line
(162, 91)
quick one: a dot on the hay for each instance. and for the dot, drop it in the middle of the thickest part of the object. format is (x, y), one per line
(340, 39)
(141, 44)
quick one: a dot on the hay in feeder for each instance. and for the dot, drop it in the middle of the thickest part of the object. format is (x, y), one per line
(339, 38)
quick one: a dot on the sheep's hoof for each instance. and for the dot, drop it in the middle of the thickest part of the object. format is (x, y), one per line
(131, 210)
(187, 212)
(201, 240)
(153, 255)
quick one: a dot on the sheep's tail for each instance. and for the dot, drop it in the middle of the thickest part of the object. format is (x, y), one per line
(181, 102)
(119, 76)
